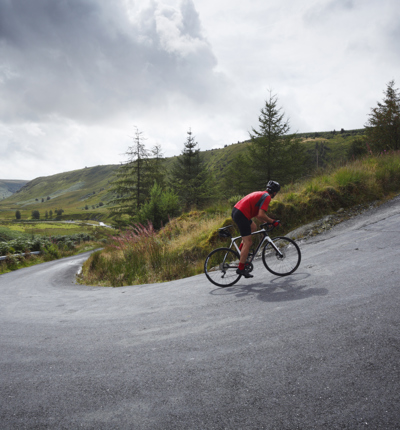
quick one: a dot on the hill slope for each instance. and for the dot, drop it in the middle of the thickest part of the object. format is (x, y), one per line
(76, 192)
(85, 193)
(9, 187)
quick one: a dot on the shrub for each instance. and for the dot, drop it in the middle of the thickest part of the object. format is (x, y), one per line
(22, 244)
(313, 187)
(163, 205)
(349, 175)
(388, 172)
(358, 148)
(51, 252)
(233, 200)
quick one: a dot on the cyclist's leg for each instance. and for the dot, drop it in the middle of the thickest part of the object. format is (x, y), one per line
(247, 243)
(246, 227)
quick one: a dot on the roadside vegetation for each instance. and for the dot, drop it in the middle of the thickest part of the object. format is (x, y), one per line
(26, 244)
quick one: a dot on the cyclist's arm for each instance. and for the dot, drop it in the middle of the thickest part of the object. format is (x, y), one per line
(262, 216)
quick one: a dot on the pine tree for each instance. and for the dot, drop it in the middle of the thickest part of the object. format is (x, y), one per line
(190, 178)
(273, 153)
(321, 154)
(383, 126)
(132, 180)
(157, 170)
(237, 181)
(35, 214)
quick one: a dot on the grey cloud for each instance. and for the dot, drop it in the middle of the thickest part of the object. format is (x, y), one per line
(85, 60)
(392, 37)
(191, 20)
(321, 12)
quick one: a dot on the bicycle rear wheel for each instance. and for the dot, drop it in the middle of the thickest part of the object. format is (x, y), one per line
(220, 267)
(283, 257)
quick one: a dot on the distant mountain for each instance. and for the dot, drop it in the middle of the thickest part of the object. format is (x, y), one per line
(10, 186)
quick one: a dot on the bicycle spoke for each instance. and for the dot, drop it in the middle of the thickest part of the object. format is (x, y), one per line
(282, 257)
(220, 267)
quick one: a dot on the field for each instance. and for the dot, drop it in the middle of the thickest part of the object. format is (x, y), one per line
(52, 228)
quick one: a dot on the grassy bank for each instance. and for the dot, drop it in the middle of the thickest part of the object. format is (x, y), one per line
(141, 255)
(53, 241)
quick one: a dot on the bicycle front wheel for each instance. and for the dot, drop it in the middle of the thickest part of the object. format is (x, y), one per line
(282, 257)
(220, 267)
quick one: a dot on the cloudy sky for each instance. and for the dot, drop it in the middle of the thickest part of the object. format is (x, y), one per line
(77, 76)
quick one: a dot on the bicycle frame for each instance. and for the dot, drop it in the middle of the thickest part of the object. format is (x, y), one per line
(266, 238)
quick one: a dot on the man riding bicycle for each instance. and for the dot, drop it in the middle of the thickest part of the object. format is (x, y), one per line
(254, 205)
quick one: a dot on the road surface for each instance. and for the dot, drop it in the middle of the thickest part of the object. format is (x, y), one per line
(316, 350)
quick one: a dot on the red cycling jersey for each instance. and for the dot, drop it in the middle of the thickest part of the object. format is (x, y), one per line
(252, 203)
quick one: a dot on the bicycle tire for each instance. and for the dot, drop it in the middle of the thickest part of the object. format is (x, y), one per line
(220, 267)
(287, 263)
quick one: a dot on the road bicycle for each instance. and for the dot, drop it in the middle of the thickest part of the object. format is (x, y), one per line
(280, 255)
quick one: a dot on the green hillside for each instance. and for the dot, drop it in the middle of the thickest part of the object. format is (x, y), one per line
(82, 194)
(85, 193)
(9, 187)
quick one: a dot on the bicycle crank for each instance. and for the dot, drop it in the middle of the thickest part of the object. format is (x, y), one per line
(248, 267)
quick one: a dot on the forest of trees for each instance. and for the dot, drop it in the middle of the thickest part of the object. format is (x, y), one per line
(144, 190)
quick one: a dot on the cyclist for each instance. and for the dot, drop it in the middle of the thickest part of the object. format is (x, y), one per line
(254, 205)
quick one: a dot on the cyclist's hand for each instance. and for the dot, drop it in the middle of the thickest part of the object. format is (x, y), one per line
(276, 223)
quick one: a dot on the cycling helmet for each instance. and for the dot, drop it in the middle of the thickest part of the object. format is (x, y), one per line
(273, 186)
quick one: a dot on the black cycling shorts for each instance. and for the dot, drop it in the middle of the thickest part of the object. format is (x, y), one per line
(242, 222)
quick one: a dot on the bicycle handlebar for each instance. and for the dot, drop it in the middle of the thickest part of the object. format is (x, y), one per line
(269, 226)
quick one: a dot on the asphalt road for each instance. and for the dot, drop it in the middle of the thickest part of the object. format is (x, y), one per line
(317, 350)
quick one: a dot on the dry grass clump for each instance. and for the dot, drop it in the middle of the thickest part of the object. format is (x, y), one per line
(140, 254)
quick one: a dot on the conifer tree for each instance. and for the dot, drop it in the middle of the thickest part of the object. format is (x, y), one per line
(273, 153)
(35, 214)
(383, 126)
(132, 179)
(157, 170)
(237, 181)
(190, 178)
